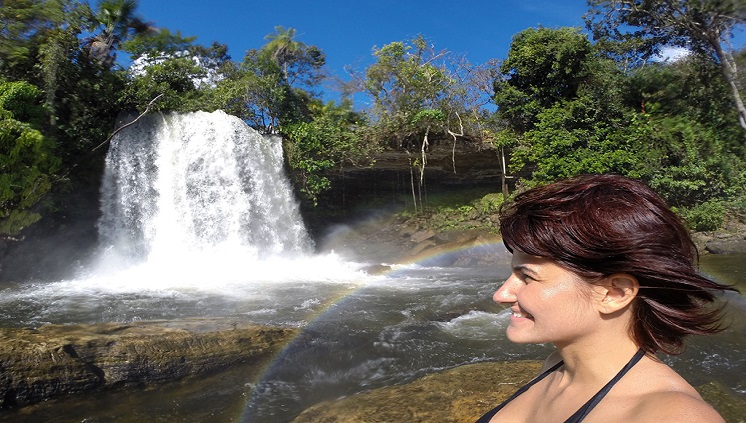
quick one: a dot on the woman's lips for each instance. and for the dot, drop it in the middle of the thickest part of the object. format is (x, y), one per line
(519, 315)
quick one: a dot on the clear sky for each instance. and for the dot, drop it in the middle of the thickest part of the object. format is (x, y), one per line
(347, 30)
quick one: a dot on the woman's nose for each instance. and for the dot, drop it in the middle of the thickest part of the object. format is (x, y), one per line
(507, 291)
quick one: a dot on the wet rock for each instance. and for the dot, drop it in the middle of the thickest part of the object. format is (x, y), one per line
(461, 394)
(733, 245)
(730, 406)
(56, 360)
(463, 249)
(422, 236)
(377, 269)
(422, 246)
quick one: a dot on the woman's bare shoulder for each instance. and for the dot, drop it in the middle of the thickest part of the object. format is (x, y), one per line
(654, 392)
(675, 406)
(670, 398)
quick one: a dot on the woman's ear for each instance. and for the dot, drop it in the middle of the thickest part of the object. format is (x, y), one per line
(616, 292)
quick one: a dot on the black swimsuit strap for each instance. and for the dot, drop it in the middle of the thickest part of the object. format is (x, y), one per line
(588, 406)
(486, 418)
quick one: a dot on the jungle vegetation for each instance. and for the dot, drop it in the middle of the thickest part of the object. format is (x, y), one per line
(564, 101)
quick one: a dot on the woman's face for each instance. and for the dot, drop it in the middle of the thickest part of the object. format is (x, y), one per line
(548, 302)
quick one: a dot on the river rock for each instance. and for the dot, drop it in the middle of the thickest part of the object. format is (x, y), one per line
(462, 248)
(461, 394)
(735, 245)
(57, 360)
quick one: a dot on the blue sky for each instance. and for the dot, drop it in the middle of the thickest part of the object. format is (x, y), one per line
(347, 30)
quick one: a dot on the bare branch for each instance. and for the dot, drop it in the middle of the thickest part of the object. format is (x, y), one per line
(147, 109)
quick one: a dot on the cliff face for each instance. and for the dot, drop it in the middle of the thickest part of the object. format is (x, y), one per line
(388, 183)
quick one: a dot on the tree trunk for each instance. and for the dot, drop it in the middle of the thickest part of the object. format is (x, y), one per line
(730, 72)
(504, 179)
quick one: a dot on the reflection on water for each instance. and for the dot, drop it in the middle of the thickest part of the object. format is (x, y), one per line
(368, 333)
(726, 268)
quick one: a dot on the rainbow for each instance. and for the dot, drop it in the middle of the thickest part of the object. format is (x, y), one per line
(476, 249)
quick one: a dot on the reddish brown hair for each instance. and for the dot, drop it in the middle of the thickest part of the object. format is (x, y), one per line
(598, 225)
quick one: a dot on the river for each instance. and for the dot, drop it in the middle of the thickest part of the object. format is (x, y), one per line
(357, 334)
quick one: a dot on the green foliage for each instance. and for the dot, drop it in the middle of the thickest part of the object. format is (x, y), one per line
(273, 86)
(182, 73)
(707, 216)
(567, 140)
(26, 159)
(490, 203)
(330, 139)
(684, 160)
(413, 92)
(174, 78)
(703, 27)
(464, 213)
(24, 27)
(157, 44)
(544, 66)
(21, 100)
(737, 206)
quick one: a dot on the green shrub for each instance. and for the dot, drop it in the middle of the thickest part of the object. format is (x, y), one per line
(737, 207)
(490, 203)
(707, 216)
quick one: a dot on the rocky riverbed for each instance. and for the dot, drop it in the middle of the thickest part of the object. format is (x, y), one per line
(52, 361)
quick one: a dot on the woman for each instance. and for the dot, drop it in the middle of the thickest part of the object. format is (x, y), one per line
(603, 270)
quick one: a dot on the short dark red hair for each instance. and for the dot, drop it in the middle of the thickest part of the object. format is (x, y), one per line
(598, 225)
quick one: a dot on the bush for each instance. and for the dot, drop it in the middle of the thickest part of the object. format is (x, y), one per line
(737, 206)
(707, 216)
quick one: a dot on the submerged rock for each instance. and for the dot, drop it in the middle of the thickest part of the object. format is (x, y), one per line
(56, 360)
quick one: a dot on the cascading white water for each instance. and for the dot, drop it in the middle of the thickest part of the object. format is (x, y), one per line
(181, 184)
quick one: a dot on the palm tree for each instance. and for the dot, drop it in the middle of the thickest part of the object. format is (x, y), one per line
(117, 21)
(282, 47)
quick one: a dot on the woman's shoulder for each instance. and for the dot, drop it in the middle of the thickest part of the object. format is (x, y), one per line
(674, 407)
(662, 395)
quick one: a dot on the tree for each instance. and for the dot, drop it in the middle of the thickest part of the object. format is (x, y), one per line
(273, 85)
(544, 66)
(562, 104)
(27, 162)
(19, 20)
(703, 26)
(331, 139)
(301, 64)
(116, 21)
(416, 99)
(169, 65)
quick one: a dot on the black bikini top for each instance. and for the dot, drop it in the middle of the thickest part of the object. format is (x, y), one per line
(586, 408)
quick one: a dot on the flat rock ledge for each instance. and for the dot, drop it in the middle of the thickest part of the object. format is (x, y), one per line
(58, 360)
(462, 395)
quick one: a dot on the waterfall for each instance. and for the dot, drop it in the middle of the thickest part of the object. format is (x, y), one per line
(184, 184)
